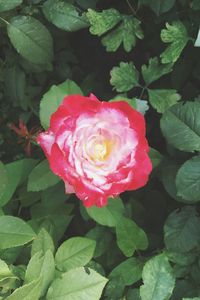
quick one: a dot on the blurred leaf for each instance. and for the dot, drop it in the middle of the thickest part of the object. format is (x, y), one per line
(74, 252)
(31, 39)
(64, 15)
(42, 243)
(54, 97)
(127, 33)
(130, 237)
(188, 180)
(182, 230)
(29, 291)
(14, 232)
(101, 22)
(4, 179)
(103, 239)
(180, 126)
(176, 35)
(88, 286)
(158, 6)
(155, 157)
(161, 100)
(158, 279)
(124, 77)
(41, 266)
(41, 177)
(9, 4)
(154, 70)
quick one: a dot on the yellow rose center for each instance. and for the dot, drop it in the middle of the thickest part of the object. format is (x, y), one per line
(102, 150)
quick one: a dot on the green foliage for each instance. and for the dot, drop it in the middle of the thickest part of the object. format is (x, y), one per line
(144, 244)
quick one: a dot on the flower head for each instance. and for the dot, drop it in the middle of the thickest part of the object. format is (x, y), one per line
(98, 148)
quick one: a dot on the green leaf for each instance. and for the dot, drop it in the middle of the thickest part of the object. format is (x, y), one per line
(101, 22)
(188, 180)
(41, 266)
(154, 70)
(41, 177)
(42, 243)
(29, 291)
(54, 97)
(181, 126)
(127, 33)
(14, 232)
(31, 39)
(9, 4)
(155, 157)
(64, 15)
(161, 100)
(124, 77)
(158, 279)
(75, 252)
(182, 230)
(176, 35)
(4, 179)
(158, 6)
(197, 42)
(17, 172)
(77, 284)
(130, 237)
(107, 215)
(182, 259)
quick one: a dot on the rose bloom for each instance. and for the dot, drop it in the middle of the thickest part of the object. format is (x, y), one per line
(98, 148)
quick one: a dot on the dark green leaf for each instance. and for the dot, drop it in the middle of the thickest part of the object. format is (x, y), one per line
(9, 4)
(182, 230)
(31, 39)
(161, 100)
(4, 179)
(188, 180)
(181, 126)
(158, 6)
(64, 15)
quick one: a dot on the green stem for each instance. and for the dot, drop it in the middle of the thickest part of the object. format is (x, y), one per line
(4, 21)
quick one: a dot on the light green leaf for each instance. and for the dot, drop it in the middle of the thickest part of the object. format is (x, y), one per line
(101, 22)
(41, 266)
(161, 100)
(4, 179)
(197, 42)
(141, 106)
(124, 77)
(42, 243)
(188, 180)
(75, 252)
(54, 97)
(130, 237)
(158, 279)
(176, 35)
(107, 215)
(77, 284)
(31, 39)
(29, 291)
(9, 4)
(17, 172)
(64, 15)
(158, 6)
(41, 177)
(155, 157)
(182, 230)
(180, 126)
(127, 33)
(14, 232)
(154, 70)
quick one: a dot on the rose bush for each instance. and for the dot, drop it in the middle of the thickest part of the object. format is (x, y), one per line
(98, 148)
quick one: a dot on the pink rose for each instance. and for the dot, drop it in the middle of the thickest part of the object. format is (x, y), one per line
(98, 148)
